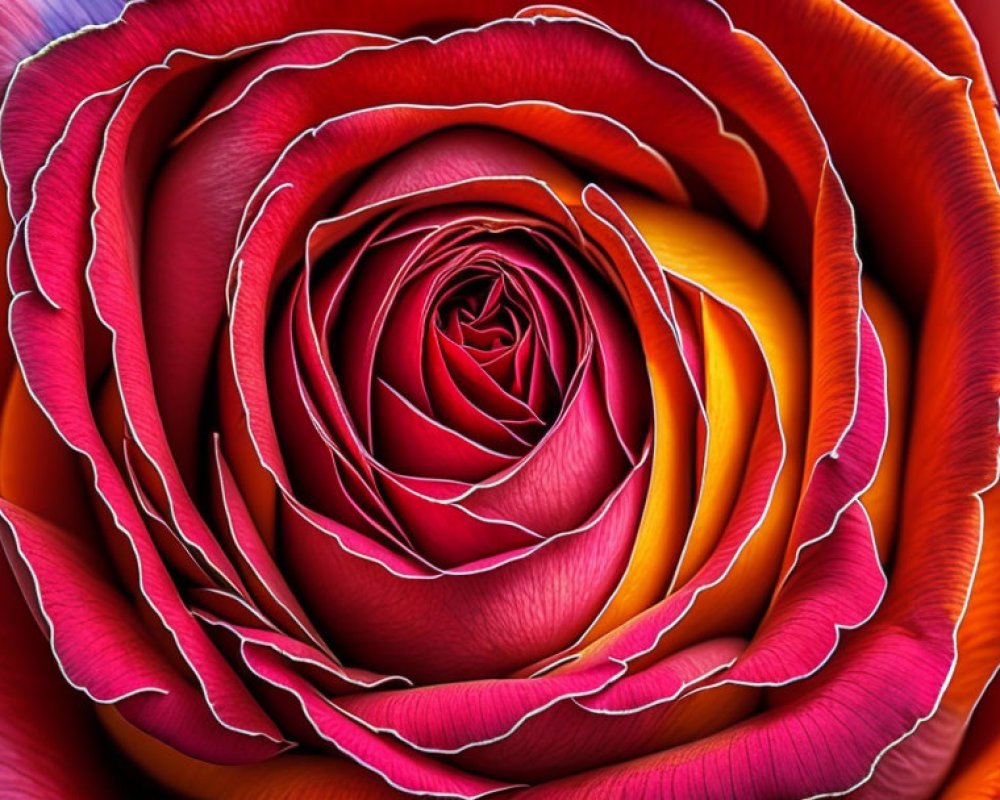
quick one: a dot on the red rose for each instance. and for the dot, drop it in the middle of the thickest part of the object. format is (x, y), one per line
(451, 401)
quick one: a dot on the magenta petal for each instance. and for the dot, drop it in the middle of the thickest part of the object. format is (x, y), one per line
(823, 741)
(50, 356)
(404, 355)
(655, 710)
(837, 583)
(641, 633)
(326, 466)
(842, 474)
(300, 48)
(566, 476)
(666, 679)
(446, 533)
(103, 649)
(58, 238)
(227, 605)
(46, 729)
(409, 441)
(449, 718)
(112, 281)
(920, 761)
(167, 542)
(258, 562)
(514, 609)
(557, 487)
(327, 673)
(95, 636)
(184, 308)
(400, 765)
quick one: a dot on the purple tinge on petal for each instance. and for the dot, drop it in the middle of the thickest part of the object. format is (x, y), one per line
(26, 26)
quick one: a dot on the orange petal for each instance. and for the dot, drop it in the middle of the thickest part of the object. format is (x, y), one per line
(977, 773)
(664, 522)
(700, 250)
(734, 383)
(938, 30)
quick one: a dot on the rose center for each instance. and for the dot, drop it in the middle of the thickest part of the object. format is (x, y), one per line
(482, 314)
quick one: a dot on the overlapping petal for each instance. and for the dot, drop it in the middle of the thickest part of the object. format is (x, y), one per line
(492, 397)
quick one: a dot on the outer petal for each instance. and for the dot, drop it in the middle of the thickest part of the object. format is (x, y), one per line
(46, 730)
(984, 17)
(103, 648)
(923, 759)
(937, 29)
(105, 58)
(977, 774)
(822, 741)
(52, 548)
(942, 221)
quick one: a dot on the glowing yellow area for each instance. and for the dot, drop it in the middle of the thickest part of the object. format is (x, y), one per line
(706, 252)
(882, 498)
(734, 382)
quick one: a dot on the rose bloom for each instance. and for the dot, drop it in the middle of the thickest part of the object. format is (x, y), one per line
(447, 398)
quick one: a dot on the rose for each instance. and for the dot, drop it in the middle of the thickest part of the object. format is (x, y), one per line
(695, 682)
(344, 363)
